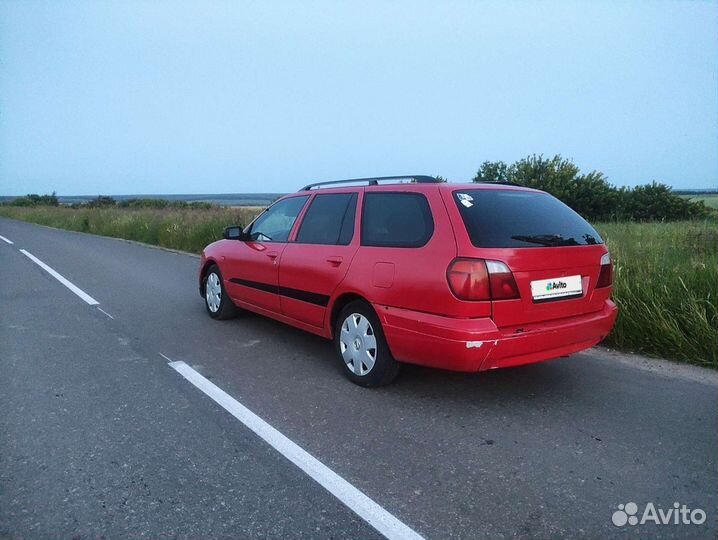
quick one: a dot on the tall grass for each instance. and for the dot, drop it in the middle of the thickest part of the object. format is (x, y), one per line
(665, 284)
(184, 229)
(666, 281)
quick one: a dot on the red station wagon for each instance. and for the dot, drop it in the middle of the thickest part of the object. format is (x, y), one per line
(466, 277)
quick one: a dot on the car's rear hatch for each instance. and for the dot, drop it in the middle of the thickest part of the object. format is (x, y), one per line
(553, 253)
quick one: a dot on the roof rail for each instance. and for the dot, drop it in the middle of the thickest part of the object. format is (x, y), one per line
(500, 183)
(374, 181)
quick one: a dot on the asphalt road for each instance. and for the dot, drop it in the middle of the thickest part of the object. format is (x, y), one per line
(100, 437)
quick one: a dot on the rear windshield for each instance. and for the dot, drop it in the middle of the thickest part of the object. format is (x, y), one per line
(507, 218)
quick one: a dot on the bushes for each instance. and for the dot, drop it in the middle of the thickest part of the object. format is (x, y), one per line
(101, 201)
(104, 201)
(36, 200)
(591, 195)
(654, 201)
(162, 203)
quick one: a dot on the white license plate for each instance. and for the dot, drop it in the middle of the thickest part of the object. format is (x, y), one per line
(544, 290)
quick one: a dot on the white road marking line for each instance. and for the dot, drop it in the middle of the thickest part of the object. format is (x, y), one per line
(355, 500)
(7, 240)
(74, 288)
(103, 311)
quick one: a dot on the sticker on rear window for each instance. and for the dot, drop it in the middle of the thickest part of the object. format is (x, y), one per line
(465, 199)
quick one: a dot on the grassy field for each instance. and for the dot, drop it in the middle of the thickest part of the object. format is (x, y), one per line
(710, 200)
(184, 229)
(666, 273)
(666, 283)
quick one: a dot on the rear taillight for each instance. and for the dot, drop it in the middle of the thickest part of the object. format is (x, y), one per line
(477, 279)
(605, 278)
(503, 284)
(469, 279)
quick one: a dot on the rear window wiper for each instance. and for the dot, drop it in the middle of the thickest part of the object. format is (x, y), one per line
(550, 240)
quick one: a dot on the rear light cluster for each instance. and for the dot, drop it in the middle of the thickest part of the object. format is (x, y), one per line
(478, 279)
(605, 278)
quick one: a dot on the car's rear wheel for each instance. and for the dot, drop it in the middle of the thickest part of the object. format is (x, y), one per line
(218, 303)
(361, 347)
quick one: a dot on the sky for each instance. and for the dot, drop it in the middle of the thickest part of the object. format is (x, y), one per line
(224, 97)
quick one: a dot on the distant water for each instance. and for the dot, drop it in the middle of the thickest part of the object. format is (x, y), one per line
(222, 199)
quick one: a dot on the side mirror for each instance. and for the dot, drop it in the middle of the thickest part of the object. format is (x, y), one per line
(233, 233)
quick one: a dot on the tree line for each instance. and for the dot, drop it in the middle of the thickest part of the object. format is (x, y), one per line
(591, 194)
(104, 201)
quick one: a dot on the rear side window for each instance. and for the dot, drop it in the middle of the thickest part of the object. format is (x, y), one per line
(329, 220)
(507, 218)
(396, 220)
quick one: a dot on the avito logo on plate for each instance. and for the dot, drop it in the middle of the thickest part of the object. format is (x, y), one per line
(564, 287)
(556, 285)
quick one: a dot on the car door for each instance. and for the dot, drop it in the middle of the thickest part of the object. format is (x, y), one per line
(252, 264)
(314, 264)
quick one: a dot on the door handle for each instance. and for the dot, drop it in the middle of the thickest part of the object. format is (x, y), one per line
(336, 261)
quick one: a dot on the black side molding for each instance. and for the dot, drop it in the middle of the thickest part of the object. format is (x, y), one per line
(296, 294)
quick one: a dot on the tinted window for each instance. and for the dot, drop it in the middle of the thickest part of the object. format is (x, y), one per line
(275, 224)
(347, 232)
(507, 218)
(329, 220)
(396, 220)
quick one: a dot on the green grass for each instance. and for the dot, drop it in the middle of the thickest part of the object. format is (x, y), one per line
(709, 199)
(665, 283)
(184, 229)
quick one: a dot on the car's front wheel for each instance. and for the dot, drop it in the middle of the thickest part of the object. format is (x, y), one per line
(218, 303)
(361, 346)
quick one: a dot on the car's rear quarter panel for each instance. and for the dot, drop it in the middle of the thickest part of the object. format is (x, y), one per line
(407, 286)
(409, 278)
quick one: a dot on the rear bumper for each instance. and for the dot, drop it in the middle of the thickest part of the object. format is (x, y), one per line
(478, 345)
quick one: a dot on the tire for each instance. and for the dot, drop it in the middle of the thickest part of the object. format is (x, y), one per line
(359, 341)
(216, 300)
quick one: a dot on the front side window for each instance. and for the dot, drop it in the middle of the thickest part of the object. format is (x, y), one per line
(396, 220)
(329, 220)
(275, 224)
